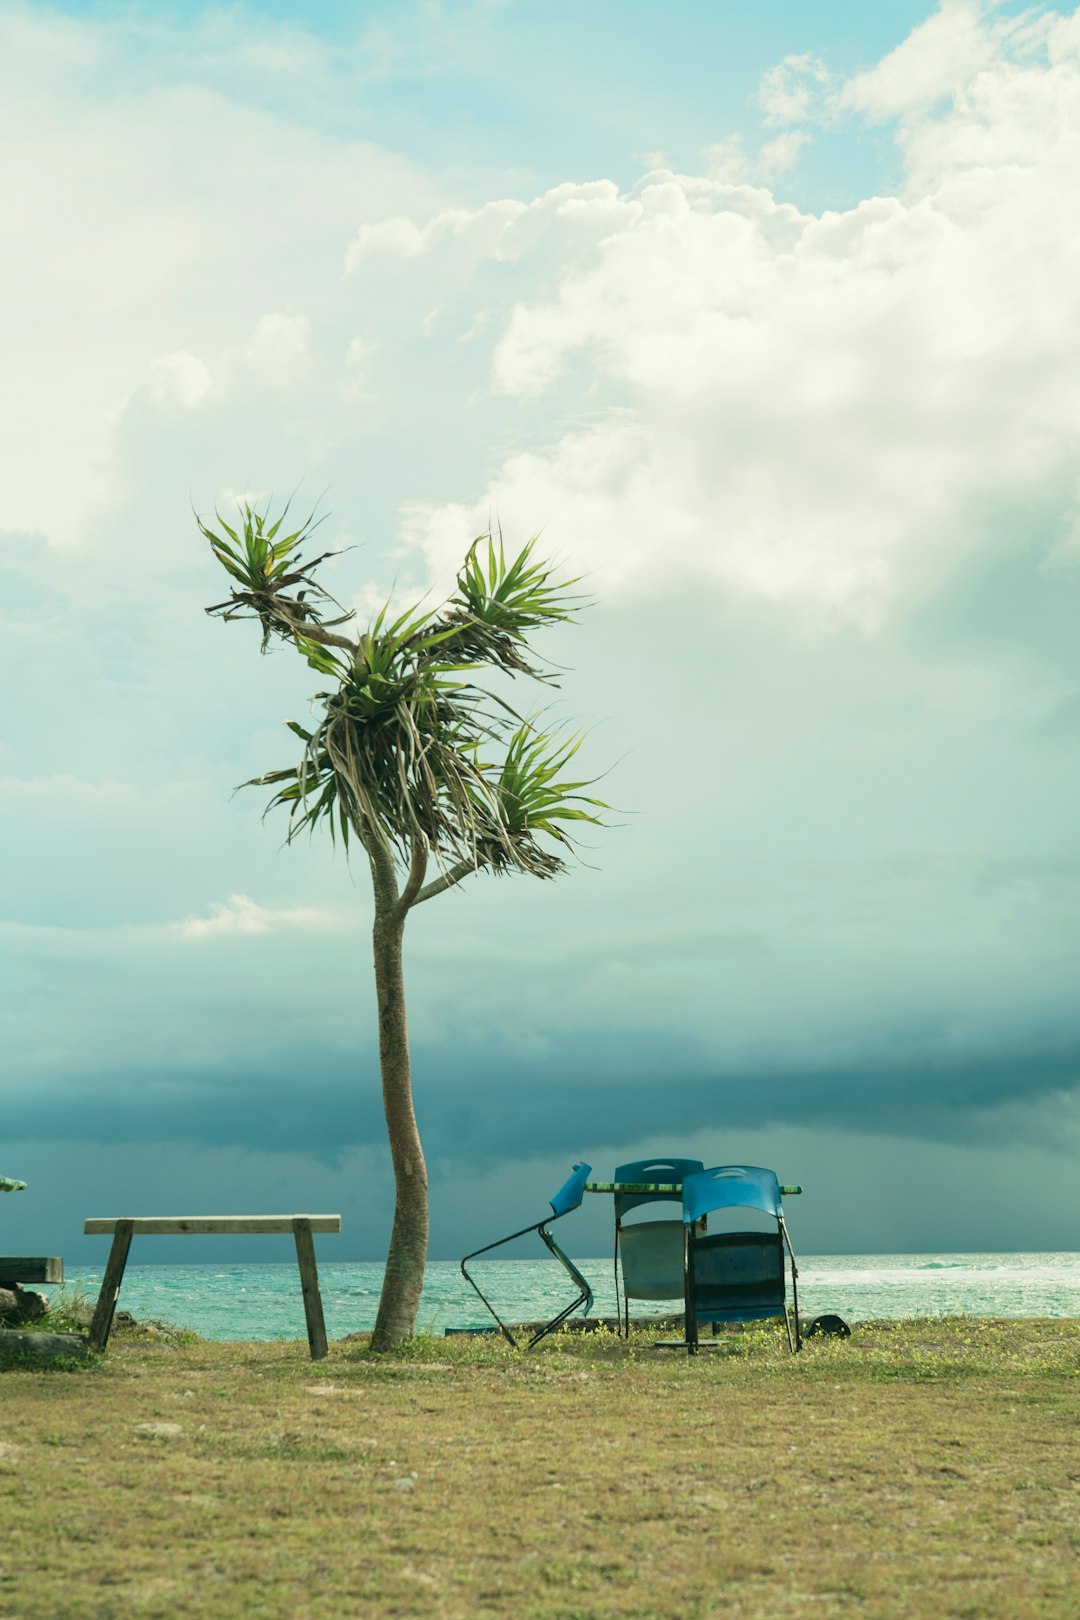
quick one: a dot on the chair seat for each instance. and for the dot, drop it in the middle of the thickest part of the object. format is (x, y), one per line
(745, 1312)
(652, 1259)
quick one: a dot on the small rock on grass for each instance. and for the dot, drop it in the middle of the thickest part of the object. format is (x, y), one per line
(18, 1304)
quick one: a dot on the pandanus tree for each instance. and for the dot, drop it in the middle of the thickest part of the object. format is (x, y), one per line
(417, 763)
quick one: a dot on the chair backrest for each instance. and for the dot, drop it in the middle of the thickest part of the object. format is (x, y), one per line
(572, 1191)
(731, 1186)
(734, 1276)
(737, 1276)
(651, 1255)
(669, 1170)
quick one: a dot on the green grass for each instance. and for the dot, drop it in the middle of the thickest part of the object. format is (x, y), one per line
(928, 1468)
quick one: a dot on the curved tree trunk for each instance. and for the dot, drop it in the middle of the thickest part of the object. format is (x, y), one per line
(405, 1260)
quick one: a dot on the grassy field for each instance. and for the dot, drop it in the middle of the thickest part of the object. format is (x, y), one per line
(927, 1468)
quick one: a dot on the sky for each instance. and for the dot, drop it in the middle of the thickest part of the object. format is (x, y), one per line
(767, 320)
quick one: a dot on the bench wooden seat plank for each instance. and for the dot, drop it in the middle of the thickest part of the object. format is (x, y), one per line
(123, 1229)
(234, 1225)
(22, 1268)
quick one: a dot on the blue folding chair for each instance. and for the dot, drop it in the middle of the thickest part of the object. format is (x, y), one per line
(650, 1252)
(567, 1198)
(735, 1276)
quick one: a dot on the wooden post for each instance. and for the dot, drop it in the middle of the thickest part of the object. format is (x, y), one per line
(110, 1287)
(309, 1282)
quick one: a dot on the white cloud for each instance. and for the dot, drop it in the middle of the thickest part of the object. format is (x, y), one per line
(229, 499)
(938, 60)
(780, 154)
(481, 230)
(242, 915)
(729, 160)
(397, 238)
(358, 356)
(506, 229)
(179, 380)
(278, 352)
(726, 160)
(368, 602)
(812, 410)
(153, 218)
(805, 409)
(794, 90)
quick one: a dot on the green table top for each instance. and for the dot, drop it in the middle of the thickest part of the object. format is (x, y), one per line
(655, 1187)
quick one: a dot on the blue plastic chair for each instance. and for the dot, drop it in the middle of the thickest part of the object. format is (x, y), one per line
(567, 1198)
(735, 1276)
(650, 1252)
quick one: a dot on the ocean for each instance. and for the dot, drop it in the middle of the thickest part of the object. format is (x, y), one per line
(262, 1301)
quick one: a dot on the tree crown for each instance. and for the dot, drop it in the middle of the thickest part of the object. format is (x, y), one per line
(399, 757)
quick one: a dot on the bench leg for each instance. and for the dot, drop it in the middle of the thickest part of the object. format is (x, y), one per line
(101, 1325)
(309, 1282)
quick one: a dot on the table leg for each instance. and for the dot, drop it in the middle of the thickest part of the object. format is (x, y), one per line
(309, 1283)
(101, 1325)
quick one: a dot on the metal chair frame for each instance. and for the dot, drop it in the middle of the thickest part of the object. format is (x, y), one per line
(654, 1169)
(694, 1237)
(692, 1342)
(572, 1189)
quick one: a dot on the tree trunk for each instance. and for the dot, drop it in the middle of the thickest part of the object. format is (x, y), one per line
(404, 1273)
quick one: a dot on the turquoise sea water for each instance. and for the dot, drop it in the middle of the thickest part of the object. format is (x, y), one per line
(263, 1301)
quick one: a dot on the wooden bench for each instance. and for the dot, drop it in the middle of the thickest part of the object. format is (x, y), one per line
(124, 1228)
(16, 1269)
(23, 1268)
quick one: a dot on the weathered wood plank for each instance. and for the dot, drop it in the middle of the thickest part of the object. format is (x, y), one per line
(14, 1345)
(110, 1286)
(23, 1268)
(309, 1283)
(168, 1225)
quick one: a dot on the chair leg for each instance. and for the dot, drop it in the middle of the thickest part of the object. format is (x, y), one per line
(797, 1346)
(690, 1332)
(618, 1301)
(584, 1295)
(471, 1280)
(556, 1321)
(475, 1286)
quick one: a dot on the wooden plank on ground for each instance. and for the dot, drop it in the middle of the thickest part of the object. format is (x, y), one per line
(16, 1345)
(23, 1268)
(167, 1225)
